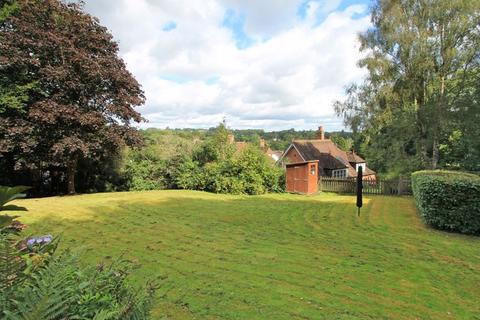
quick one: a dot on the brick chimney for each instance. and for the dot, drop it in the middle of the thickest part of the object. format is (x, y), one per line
(230, 138)
(321, 133)
(262, 143)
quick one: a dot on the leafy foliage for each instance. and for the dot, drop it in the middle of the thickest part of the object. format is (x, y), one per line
(65, 95)
(59, 288)
(8, 7)
(15, 97)
(19, 261)
(248, 172)
(448, 200)
(422, 86)
(344, 143)
(145, 171)
(154, 166)
(180, 159)
(8, 194)
(11, 266)
(216, 166)
(8, 224)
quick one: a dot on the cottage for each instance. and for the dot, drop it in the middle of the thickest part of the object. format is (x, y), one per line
(332, 161)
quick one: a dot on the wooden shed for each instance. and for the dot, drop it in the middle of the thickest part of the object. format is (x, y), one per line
(302, 177)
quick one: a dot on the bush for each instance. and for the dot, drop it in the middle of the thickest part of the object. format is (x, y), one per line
(448, 200)
(214, 165)
(36, 283)
(144, 170)
(249, 171)
(230, 185)
(189, 175)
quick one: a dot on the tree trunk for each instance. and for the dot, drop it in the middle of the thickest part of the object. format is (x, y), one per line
(71, 171)
(423, 146)
(437, 123)
(435, 152)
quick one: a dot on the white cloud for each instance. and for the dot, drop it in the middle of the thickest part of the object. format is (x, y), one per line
(289, 80)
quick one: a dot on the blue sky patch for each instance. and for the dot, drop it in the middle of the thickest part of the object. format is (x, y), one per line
(302, 9)
(212, 80)
(169, 26)
(235, 21)
(321, 16)
(175, 78)
(347, 3)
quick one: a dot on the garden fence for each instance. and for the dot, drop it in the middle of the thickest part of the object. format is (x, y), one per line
(400, 186)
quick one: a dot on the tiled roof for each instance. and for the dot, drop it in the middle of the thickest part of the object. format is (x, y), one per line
(326, 151)
(329, 155)
(368, 171)
(355, 158)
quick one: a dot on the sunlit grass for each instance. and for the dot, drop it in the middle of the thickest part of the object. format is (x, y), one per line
(273, 256)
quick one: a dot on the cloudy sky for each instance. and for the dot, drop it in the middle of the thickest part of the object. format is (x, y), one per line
(269, 64)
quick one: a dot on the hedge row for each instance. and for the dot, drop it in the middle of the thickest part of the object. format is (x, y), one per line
(448, 200)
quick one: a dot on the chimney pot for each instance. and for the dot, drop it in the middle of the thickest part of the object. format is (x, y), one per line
(321, 133)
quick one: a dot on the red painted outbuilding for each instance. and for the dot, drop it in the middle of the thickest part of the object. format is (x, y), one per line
(302, 177)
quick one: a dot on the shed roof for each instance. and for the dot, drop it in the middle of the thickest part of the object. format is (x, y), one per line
(300, 163)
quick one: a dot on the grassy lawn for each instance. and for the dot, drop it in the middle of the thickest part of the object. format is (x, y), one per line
(274, 256)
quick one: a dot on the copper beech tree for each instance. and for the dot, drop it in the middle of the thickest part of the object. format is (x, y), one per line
(65, 93)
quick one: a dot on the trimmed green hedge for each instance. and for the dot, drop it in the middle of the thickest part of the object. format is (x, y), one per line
(448, 200)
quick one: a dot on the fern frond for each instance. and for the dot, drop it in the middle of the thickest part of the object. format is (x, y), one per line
(106, 315)
(11, 264)
(48, 294)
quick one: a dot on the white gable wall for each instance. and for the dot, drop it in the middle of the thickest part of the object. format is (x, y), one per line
(363, 165)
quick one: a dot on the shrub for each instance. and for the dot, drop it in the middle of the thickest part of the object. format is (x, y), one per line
(230, 185)
(144, 170)
(213, 165)
(35, 283)
(448, 200)
(189, 175)
(259, 173)
(249, 171)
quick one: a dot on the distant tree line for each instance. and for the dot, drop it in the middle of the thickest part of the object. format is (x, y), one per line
(281, 139)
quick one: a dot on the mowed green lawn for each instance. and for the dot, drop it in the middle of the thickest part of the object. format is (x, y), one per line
(273, 256)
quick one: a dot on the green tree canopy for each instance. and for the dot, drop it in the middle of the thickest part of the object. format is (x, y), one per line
(422, 57)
